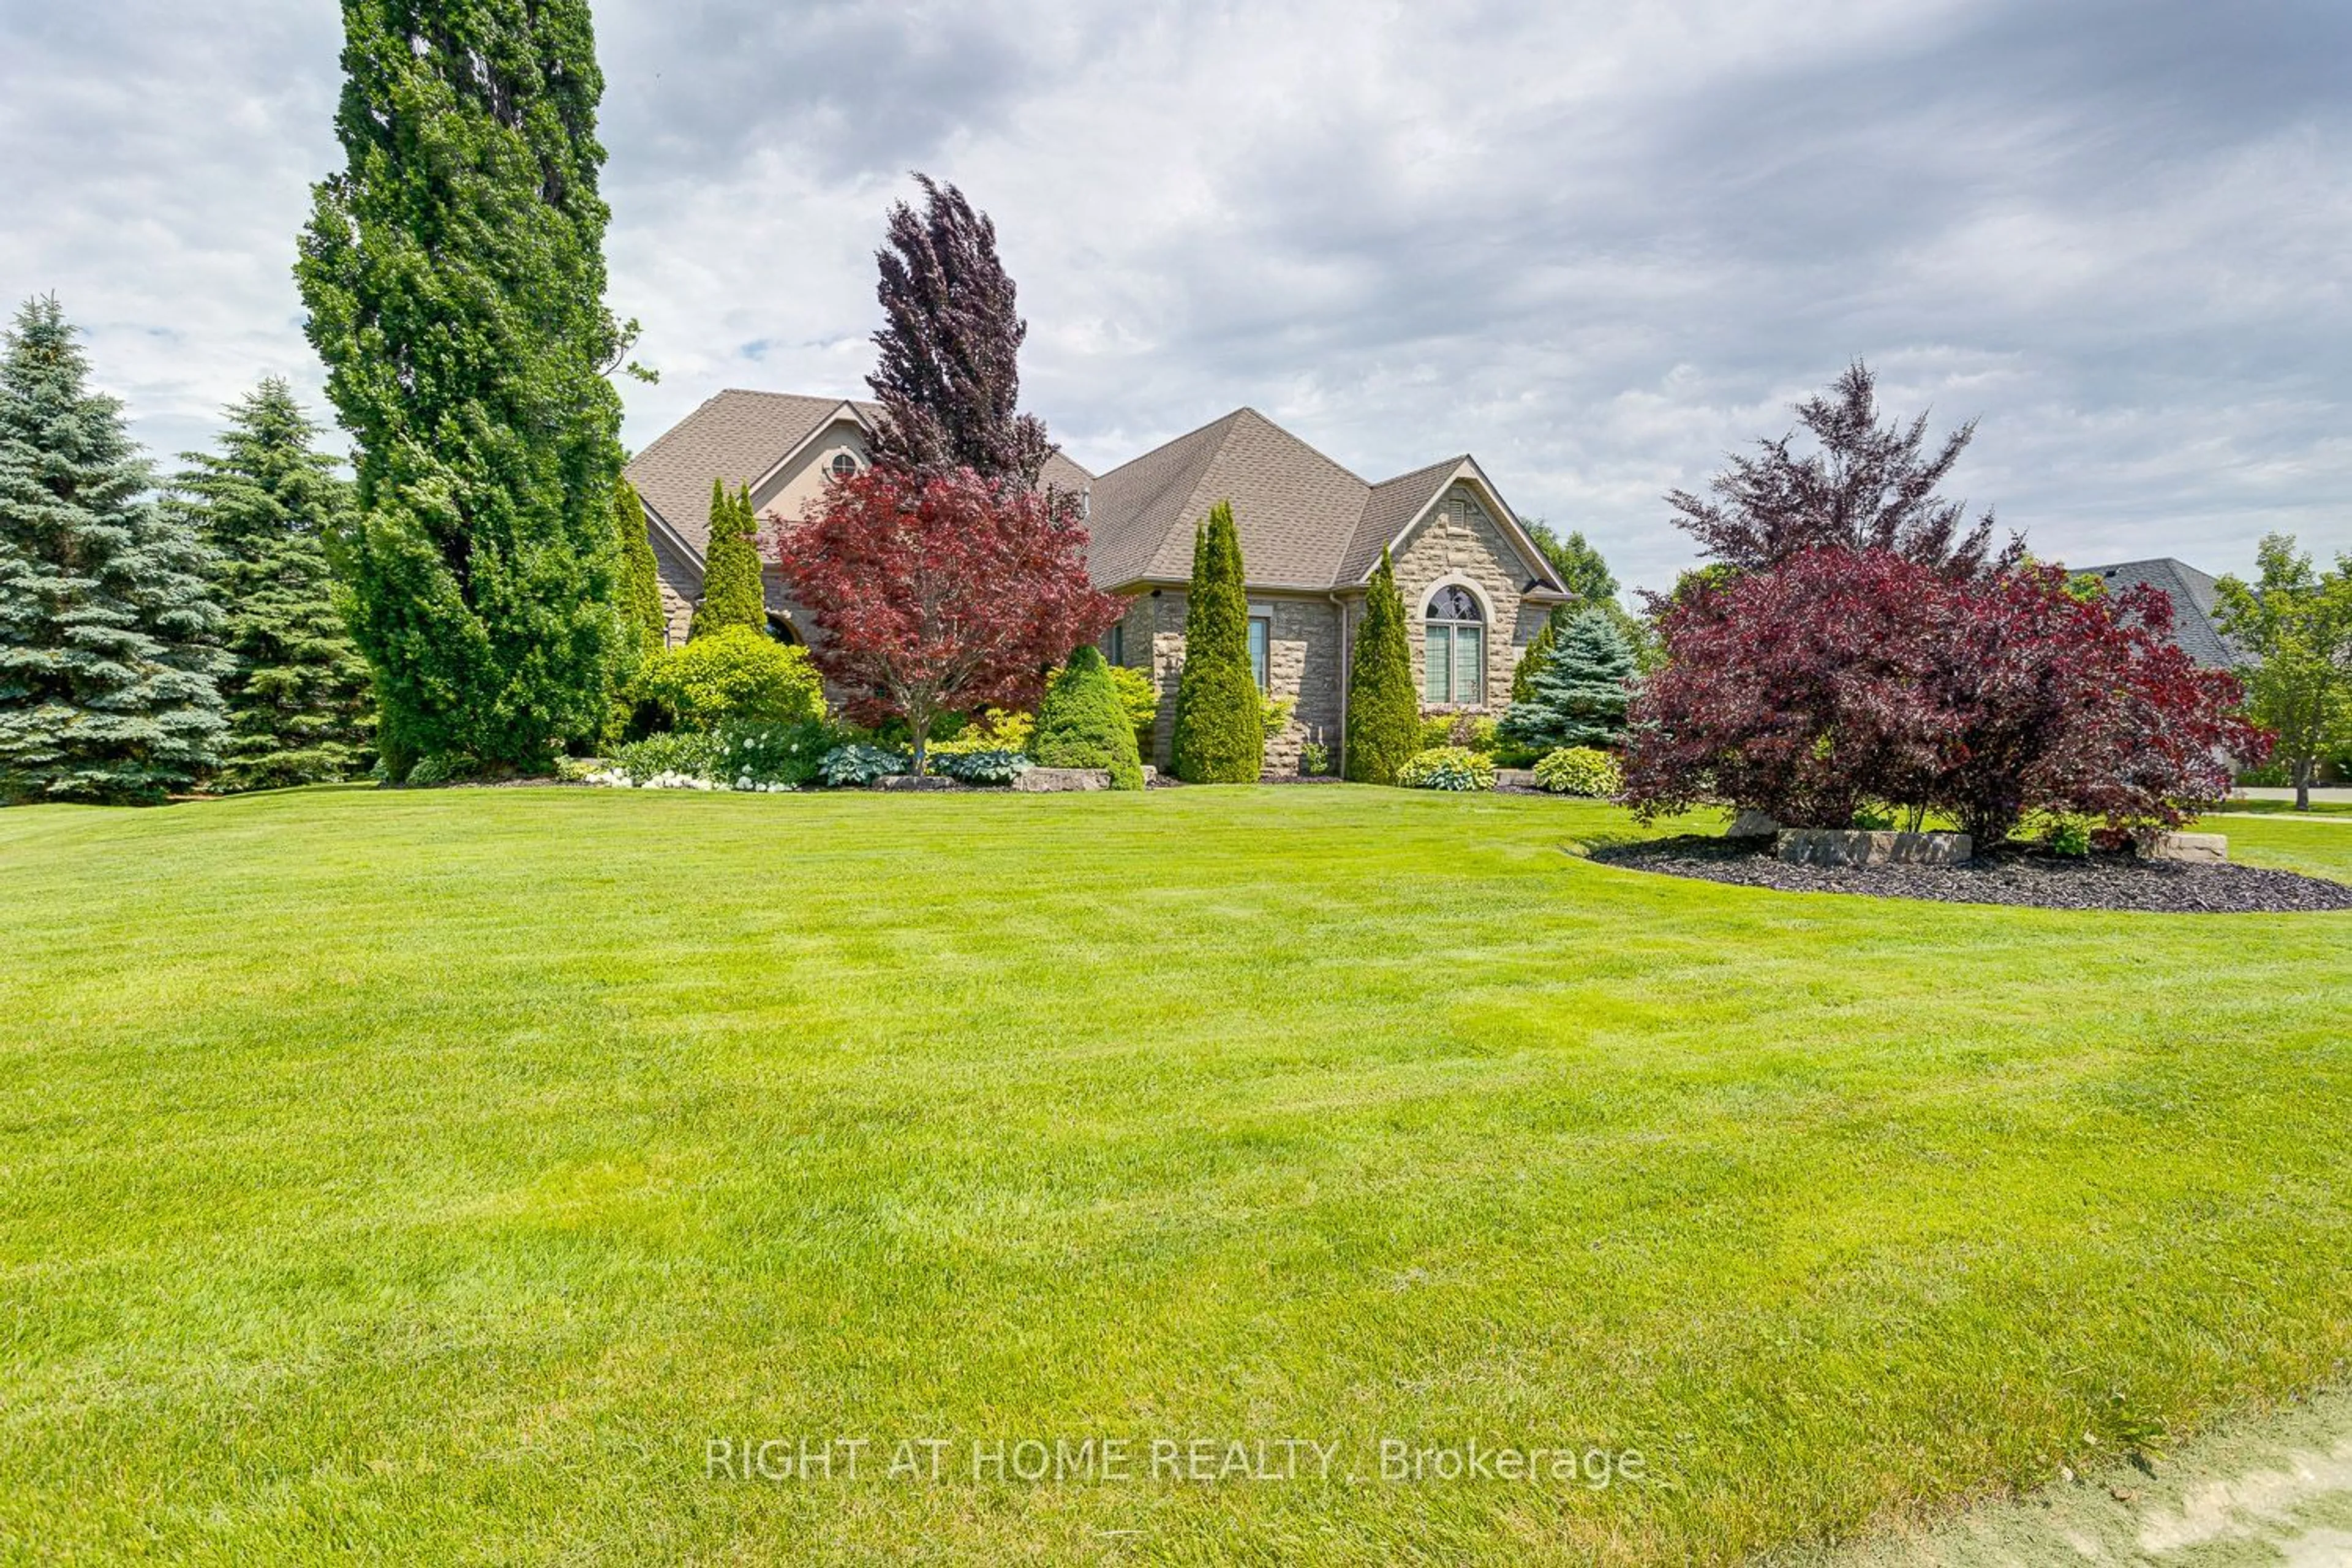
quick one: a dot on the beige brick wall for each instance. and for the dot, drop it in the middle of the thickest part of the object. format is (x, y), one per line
(1461, 541)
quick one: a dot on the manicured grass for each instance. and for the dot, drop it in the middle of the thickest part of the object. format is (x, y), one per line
(430, 1177)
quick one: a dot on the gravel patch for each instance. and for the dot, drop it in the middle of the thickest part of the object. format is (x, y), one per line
(2031, 878)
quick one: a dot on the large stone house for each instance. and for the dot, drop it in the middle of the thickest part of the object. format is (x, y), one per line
(1475, 588)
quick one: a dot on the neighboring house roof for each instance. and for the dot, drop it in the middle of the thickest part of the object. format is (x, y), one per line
(1305, 521)
(740, 438)
(2194, 597)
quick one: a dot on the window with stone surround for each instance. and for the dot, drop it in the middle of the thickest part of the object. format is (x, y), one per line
(1453, 652)
(1261, 645)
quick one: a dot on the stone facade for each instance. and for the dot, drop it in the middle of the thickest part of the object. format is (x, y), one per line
(1303, 651)
(1311, 637)
(1461, 542)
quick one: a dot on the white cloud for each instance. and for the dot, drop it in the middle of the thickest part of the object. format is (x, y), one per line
(1598, 244)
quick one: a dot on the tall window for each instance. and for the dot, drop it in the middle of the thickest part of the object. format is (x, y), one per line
(1260, 634)
(1116, 644)
(1454, 647)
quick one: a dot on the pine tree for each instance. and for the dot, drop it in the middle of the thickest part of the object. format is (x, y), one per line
(301, 709)
(1220, 714)
(948, 376)
(1083, 725)
(1383, 715)
(732, 592)
(645, 626)
(1579, 695)
(455, 277)
(107, 661)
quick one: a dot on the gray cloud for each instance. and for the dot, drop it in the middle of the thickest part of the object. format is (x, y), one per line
(1597, 244)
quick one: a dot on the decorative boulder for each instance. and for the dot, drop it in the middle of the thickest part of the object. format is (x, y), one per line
(1062, 781)
(909, 782)
(1751, 824)
(1855, 847)
(2194, 848)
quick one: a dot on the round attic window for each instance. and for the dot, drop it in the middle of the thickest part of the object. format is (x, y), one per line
(844, 464)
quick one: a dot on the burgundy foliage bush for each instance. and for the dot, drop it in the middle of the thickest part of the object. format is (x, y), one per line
(1843, 676)
(940, 594)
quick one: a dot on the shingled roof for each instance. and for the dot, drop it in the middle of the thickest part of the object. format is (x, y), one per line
(738, 436)
(2194, 597)
(1305, 521)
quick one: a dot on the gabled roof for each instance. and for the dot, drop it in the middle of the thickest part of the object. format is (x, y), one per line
(1305, 521)
(2194, 597)
(740, 438)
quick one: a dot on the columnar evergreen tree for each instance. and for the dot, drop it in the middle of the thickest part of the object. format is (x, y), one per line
(1082, 723)
(950, 372)
(300, 707)
(645, 629)
(1577, 696)
(107, 626)
(1383, 713)
(1539, 654)
(732, 593)
(1220, 735)
(455, 276)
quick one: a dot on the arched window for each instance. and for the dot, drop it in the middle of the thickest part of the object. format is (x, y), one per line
(1454, 647)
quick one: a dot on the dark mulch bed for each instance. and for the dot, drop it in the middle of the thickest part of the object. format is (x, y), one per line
(2007, 875)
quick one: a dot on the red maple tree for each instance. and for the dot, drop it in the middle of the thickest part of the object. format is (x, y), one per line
(939, 594)
(1842, 677)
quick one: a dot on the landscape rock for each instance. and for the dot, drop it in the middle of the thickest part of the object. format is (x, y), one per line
(1752, 823)
(1859, 846)
(1062, 781)
(909, 782)
(2193, 848)
(1514, 778)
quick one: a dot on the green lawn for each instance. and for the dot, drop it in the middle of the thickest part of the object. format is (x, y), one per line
(431, 1177)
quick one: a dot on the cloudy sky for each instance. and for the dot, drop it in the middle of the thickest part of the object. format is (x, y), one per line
(1597, 244)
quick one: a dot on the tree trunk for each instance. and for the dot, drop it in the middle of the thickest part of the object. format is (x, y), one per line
(2304, 768)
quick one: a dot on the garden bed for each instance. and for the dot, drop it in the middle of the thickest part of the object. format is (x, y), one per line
(2010, 874)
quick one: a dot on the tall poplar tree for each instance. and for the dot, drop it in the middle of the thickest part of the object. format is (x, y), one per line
(455, 277)
(1220, 714)
(107, 624)
(1383, 713)
(301, 709)
(948, 374)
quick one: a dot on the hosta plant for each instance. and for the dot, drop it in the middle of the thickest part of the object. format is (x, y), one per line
(1448, 768)
(1580, 769)
(857, 767)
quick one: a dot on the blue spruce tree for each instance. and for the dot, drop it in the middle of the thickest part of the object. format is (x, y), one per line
(107, 626)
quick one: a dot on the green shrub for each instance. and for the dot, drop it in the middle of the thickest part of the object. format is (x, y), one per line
(992, 767)
(994, 731)
(2067, 834)
(1580, 769)
(2270, 775)
(1139, 695)
(1446, 767)
(685, 754)
(1315, 760)
(752, 752)
(734, 673)
(440, 768)
(1471, 732)
(1577, 696)
(857, 766)
(1220, 734)
(1436, 731)
(1081, 724)
(1383, 713)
